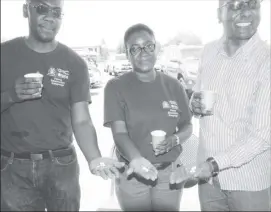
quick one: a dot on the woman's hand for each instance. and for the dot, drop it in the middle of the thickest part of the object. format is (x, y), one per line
(143, 168)
(166, 145)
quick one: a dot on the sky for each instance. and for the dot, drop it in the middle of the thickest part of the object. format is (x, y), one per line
(87, 22)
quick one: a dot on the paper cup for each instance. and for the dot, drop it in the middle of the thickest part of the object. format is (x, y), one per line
(37, 76)
(157, 137)
(208, 99)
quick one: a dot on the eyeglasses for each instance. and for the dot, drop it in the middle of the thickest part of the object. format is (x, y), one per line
(42, 9)
(149, 48)
(238, 5)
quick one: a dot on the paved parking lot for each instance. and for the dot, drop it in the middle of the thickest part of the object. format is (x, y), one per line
(95, 192)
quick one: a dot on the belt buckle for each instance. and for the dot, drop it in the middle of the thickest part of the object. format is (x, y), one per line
(36, 156)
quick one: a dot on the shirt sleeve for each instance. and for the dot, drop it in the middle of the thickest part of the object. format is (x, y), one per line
(257, 140)
(80, 84)
(113, 105)
(186, 114)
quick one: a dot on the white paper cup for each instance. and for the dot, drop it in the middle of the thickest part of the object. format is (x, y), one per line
(157, 137)
(37, 76)
(208, 99)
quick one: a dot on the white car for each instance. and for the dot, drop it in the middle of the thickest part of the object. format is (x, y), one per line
(119, 67)
(191, 65)
(95, 77)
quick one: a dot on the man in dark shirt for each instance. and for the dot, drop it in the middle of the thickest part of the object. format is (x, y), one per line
(39, 168)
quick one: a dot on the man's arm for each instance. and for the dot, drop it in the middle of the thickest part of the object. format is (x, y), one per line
(6, 100)
(86, 138)
(123, 142)
(24, 89)
(258, 140)
(84, 131)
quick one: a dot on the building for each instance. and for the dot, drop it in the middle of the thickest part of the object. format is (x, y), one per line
(93, 52)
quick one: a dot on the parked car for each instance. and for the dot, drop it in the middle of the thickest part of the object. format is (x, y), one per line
(184, 70)
(191, 65)
(95, 77)
(172, 68)
(119, 67)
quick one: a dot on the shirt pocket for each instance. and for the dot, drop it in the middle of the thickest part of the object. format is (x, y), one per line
(240, 94)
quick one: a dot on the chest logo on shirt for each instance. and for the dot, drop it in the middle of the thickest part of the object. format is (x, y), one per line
(172, 108)
(58, 76)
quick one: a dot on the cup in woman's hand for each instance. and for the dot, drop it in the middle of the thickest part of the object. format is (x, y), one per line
(157, 137)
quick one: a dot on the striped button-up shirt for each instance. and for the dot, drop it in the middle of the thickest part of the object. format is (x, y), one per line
(238, 134)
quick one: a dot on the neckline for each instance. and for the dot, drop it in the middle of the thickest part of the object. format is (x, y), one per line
(157, 75)
(39, 53)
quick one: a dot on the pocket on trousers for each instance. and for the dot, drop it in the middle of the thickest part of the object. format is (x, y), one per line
(4, 163)
(66, 160)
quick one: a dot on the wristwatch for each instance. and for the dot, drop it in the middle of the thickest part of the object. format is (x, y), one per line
(214, 164)
(177, 139)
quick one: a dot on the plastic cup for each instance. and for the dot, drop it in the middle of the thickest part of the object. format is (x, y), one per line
(208, 99)
(157, 137)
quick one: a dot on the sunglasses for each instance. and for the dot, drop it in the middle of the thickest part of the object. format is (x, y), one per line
(238, 5)
(149, 48)
(42, 9)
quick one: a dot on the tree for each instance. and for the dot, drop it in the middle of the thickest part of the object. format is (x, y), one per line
(185, 37)
(121, 48)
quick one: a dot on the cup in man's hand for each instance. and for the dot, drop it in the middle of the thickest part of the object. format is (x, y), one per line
(157, 137)
(38, 79)
(208, 99)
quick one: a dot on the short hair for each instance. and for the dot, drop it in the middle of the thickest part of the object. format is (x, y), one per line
(137, 28)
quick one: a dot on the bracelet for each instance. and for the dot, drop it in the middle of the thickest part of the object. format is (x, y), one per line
(214, 165)
(177, 139)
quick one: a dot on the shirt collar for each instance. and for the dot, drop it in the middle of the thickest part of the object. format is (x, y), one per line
(246, 49)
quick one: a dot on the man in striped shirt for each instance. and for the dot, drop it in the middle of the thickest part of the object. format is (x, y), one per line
(234, 142)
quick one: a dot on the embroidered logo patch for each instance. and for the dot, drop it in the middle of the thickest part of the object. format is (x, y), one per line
(172, 107)
(58, 76)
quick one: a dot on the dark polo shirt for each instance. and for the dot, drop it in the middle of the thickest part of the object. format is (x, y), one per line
(147, 106)
(41, 124)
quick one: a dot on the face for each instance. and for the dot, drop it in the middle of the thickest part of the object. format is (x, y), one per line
(44, 18)
(141, 51)
(240, 18)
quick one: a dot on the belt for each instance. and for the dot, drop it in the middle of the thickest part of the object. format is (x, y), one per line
(161, 166)
(39, 156)
(158, 166)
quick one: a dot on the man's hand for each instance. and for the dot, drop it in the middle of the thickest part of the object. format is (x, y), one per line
(165, 146)
(204, 171)
(27, 89)
(143, 168)
(197, 106)
(179, 175)
(105, 167)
